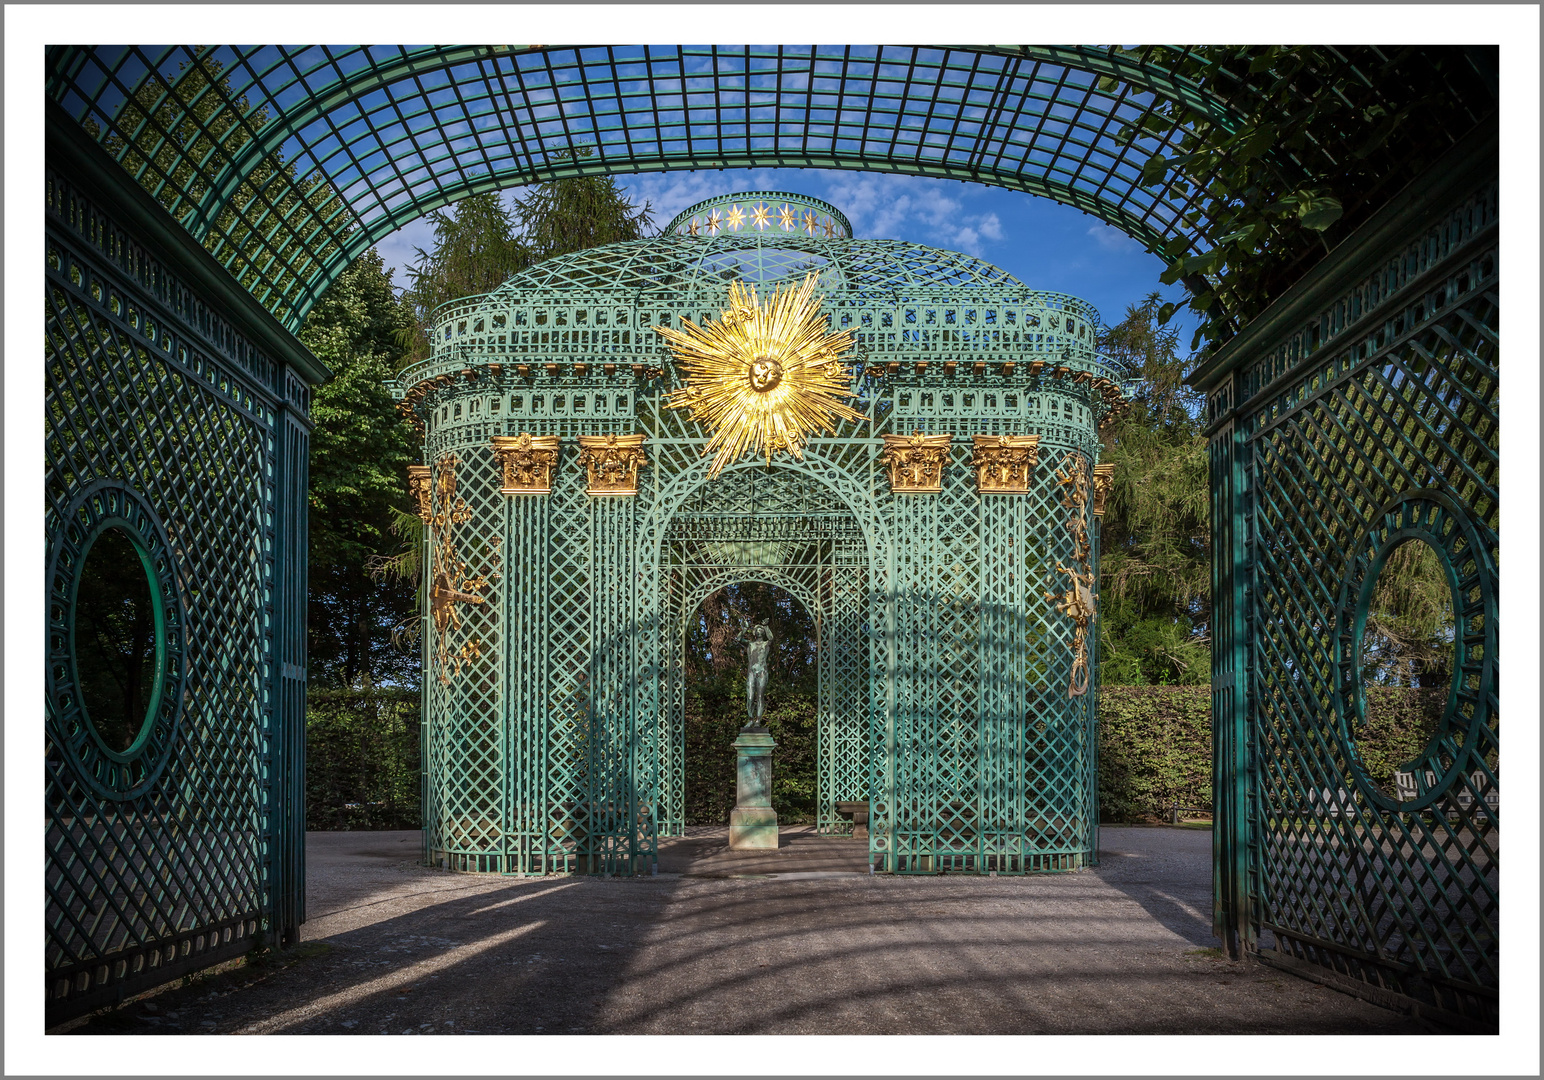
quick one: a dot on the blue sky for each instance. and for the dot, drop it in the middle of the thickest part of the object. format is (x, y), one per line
(1044, 244)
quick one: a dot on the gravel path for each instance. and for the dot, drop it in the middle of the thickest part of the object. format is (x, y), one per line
(800, 944)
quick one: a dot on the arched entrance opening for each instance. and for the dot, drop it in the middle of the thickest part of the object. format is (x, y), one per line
(772, 529)
(715, 699)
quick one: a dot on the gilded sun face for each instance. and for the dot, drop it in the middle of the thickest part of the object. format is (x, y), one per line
(764, 376)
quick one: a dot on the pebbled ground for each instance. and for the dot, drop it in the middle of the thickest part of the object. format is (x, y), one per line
(803, 941)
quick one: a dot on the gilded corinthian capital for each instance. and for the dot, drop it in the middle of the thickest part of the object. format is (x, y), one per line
(526, 462)
(1003, 462)
(916, 462)
(612, 462)
(1104, 477)
(418, 486)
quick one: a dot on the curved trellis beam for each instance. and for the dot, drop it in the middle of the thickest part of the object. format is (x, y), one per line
(396, 133)
(373, 77)
(739, 575)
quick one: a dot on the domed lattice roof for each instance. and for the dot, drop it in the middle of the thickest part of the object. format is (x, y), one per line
(705, 263)
(902, 301)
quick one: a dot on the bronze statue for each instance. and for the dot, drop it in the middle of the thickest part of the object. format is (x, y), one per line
(758, 644)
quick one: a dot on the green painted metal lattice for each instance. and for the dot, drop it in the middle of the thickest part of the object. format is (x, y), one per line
(943, 671)
(314, 153)
(170, 421)
(319, 151)
(1365, 415)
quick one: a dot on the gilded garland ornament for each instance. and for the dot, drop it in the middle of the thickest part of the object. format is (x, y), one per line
(764, 376)
(1078, 603)
(452, 581)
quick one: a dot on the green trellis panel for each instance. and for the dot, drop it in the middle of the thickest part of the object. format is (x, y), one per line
(177, 409)
(943, 671)
(1360, 411)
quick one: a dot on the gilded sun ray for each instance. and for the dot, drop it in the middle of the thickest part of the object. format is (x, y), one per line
(759, 216)
(764, 376)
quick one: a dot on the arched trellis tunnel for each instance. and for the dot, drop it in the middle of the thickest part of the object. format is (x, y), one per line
(246, 179)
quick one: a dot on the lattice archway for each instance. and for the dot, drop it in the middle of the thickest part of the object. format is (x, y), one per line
(815, 550)
(195, 201)
(287, 162)
(671, 822)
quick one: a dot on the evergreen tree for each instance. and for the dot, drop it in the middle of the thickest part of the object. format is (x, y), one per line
(575, 214)
(480, 242)
(1155, 554)
(360, 450)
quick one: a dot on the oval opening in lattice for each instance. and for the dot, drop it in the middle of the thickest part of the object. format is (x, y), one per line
(1406, 638)
(117, 641)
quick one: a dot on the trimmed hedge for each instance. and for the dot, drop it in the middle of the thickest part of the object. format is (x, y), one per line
(1155, 751)
(1155, 744)
(362, 756)
(1400, 722)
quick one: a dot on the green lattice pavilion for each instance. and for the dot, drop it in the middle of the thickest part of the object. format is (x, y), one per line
(947, 695)
(199, 201)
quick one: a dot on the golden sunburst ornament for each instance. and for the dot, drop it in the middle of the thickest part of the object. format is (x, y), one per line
(763, 377)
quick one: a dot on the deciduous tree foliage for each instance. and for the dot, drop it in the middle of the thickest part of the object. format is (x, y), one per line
(1328, 135)
(715, 701)
(360, 450)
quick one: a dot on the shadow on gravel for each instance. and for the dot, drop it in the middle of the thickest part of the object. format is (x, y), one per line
(415, 951)
(509, 960)
(1165, 869)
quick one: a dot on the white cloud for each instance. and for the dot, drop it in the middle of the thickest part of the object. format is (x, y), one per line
(670, 193)
(924, 210)
(1112, 239)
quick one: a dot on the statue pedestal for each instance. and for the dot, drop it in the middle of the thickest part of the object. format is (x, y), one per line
(753, 822)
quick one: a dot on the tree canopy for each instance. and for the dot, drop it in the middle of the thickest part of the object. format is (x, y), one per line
(1329, 134)
(1155, 556)
(360, 450)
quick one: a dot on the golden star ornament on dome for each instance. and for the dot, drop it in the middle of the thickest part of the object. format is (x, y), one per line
(764, 376)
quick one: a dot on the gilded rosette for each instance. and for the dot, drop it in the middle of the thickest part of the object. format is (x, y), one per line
(525, 463)
(916, 462)
(1003, 462)
(612, 462)
(765, 376)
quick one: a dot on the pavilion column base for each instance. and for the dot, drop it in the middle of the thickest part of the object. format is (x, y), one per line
(753, 829)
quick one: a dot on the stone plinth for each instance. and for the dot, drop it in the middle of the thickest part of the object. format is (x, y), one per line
(753, 822)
